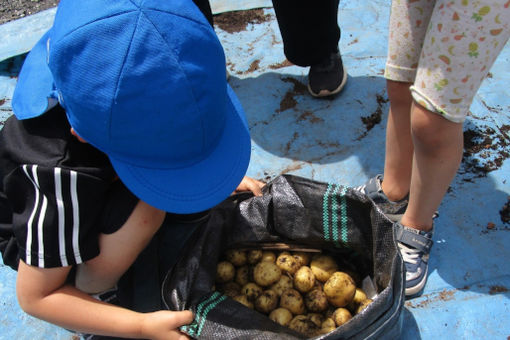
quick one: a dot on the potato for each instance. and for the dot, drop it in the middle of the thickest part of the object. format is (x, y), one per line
(323, 266)
(303, 325)
(316, 318)
(283, 284)
(236, 257)
(266, 273)
(268, 256)
(359, 296)
(230, 288)
(287, 263)
(363, 305)
(341, 316)
(242, 275)
(328, 325)
(225, 271)
(316, 301)
(302, 258)
(281, 316)
(243, 299)
(266, 302)
(304, 280)
(251, 290)
(254, 256)
(340, 289)
(293, 301)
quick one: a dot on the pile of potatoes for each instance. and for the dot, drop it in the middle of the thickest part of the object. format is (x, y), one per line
(303, 291)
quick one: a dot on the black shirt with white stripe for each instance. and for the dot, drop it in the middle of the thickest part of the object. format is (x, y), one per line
(57, 194)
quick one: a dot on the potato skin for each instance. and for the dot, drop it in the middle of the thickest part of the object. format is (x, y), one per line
(302, 258)
(283, 284)
(323, 266)
(304, 279)
(230, 288)
(281, 316)
(254, 256)
(251, 290)
(225, 272)
(236, 257)
(266, 302)
(268, 256)
(266, 273)
(242, 276)
(363, 305)
(340, 289)
(316, 301)
(359, 297)
(243, 299)
(293, 301)
(328, 325)
(341, 316)
(303, 325)
(287, 263)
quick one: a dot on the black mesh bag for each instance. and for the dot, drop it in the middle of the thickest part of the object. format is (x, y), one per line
(293, 211)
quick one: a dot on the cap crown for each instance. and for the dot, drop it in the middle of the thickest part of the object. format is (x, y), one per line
(143, 83)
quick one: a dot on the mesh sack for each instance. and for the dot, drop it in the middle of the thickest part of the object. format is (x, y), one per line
(294, 211)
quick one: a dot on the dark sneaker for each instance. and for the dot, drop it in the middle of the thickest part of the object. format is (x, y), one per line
(392, 209)
(414, 246)
(328, 77)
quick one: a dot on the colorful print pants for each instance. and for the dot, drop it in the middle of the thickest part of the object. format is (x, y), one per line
(445, 48)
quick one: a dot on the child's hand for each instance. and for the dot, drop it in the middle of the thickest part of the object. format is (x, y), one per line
(250, 184)
(163, 325)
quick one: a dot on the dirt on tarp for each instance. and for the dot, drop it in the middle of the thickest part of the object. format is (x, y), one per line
(16, 9)
(237, 21)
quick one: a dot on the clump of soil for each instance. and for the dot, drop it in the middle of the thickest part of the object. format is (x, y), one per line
(376, 117)
(16, 9)
(237, 21)
(497, 289)
(505, 212)
(288, 101)
(485, 150)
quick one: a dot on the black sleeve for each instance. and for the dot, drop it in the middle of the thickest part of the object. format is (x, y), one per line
(55, 214)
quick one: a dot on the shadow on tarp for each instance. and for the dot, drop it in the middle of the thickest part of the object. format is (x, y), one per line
(286, 121)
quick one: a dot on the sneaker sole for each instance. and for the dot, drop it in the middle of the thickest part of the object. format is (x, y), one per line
(326, 93)
(416, 290)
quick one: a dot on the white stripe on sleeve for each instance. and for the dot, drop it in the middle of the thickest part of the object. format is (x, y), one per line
(76, 217)
(61, 217)
(28, 245)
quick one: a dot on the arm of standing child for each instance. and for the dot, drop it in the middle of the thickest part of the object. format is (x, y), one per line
(43, 293)
(250, 184)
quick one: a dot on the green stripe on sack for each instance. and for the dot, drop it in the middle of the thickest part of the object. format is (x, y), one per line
(201, 316)
(325, 213)
(343, 217)
(334, 217)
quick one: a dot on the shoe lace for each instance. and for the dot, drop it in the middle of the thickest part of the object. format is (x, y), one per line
(410, 255)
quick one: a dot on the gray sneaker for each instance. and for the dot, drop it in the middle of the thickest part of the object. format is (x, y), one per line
(414, 246)
(392, 209)
(328, 77)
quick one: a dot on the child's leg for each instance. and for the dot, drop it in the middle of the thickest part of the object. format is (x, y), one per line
(119, 250)
(408, 24)
(399, 147)
(462, 43)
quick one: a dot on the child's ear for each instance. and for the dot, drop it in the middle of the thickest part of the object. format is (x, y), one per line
(73, 132)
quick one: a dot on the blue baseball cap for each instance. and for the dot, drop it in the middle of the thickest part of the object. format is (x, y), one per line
(145, 83)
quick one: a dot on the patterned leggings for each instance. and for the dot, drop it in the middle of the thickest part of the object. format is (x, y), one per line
(445, 48)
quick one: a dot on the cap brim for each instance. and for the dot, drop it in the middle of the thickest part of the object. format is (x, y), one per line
(35, 92)
(202, 185)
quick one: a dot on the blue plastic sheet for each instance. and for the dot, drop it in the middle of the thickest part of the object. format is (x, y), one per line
(467, 295)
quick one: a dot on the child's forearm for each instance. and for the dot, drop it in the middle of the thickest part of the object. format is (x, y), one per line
(70, 308)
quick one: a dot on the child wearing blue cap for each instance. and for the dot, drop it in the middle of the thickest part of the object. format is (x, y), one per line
(143, 84)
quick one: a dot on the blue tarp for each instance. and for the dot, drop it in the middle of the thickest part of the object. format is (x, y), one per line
(467, 295)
